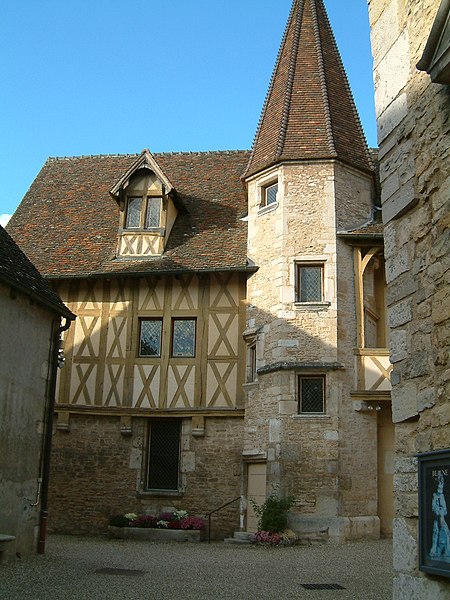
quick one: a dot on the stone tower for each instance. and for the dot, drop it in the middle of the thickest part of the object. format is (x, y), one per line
(309, 179)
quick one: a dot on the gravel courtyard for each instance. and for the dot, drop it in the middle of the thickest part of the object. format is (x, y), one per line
(88, 568)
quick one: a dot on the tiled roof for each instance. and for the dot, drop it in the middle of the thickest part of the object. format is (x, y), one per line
(372, 230)
(17, 271)
(309, 112)
(68, 221)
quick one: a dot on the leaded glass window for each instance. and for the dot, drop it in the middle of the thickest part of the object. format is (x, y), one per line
(311, 394)
(150, 337)
(133, 212)
(164, 454)
(183, 337)
(143, 212)
(153, 212)
(309, 283)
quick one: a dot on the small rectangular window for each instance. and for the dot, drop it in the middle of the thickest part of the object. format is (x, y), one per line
(153, 215)
(311, 391)
(309, 282)
(133, 219)
(183, 337)
(164, 454)
(150, 337)
(270, 194)
(251, 372)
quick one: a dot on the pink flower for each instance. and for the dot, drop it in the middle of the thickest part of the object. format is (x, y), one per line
(192, 523)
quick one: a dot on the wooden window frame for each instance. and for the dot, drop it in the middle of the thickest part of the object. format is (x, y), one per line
(145, 203)
(142, 320)
(172, 332)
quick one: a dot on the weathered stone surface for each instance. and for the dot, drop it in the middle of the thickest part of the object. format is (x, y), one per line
(405, 559)
(407, 587)
(400, 314)
(104, 481)
(399, 345)
(414, 130)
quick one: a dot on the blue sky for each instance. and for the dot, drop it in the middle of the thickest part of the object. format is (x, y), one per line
(116, 76)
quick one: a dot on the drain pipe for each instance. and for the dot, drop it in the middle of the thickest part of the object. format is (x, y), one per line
(55, 339)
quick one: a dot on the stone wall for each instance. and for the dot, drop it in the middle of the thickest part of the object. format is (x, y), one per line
(97, 473)
(414, 137)
(24, 369)
(321, 460)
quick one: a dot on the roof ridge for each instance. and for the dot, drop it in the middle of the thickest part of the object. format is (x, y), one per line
(322, 76)
(80, 156)
(181, 152)
(290, 82)
(269, 89)
(132, 155)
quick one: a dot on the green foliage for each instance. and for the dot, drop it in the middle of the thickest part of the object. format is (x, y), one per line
(273, 514)
(119, 521)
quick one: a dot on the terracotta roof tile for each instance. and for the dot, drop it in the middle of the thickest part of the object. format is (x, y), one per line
(17, 271)
(68, 221)
(373, 229)
(309, 112)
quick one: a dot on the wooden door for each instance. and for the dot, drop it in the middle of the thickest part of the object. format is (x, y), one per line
(256, 490)
(385, 470)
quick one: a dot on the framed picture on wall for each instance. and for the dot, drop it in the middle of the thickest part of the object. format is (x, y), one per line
(434, 512)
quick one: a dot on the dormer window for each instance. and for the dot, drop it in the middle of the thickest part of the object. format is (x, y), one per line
(143, 212)
(148, 209)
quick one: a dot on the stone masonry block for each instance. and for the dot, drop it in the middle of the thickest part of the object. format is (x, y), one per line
(400, 314)
(404, 405)
(404, 539)
(385, 31)
(409, 587)
(397, 265)
(391, 74)
(406, 464)
(399, 345)
(399, 202)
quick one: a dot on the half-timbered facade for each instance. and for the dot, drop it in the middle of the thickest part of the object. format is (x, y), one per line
(230, 337)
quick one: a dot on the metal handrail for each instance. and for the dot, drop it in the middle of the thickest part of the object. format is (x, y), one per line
(217, 510)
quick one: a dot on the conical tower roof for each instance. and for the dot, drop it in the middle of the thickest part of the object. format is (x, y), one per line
(309, 112)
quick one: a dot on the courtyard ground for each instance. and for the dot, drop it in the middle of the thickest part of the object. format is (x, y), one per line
(92, 568)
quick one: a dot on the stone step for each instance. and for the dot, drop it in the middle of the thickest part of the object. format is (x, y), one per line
(313, 537)
(239, 537)
(305, 539)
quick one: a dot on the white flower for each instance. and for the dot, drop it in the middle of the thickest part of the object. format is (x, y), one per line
(130, 516)
(180, 514)
(162, 523)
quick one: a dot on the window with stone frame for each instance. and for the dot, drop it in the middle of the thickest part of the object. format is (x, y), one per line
(311, 394)
(269, 194)
(143, 212)
(150, 331)
(163, 459)
(251, 364)
(183, 337)
(309, 282)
